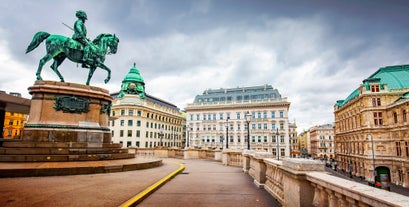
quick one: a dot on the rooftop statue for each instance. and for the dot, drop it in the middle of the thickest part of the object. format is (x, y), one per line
(78, 49)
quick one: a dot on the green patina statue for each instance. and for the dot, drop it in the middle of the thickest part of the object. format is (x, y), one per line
(78, 49)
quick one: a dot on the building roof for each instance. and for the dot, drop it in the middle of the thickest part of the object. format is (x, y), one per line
(395, 77)
(238, 94)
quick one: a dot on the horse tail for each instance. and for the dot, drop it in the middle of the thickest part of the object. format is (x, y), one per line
(38, 38)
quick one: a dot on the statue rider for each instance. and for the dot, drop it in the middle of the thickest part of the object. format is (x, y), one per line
(80, 35)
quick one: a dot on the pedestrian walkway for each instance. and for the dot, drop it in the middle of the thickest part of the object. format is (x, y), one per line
(209, 183)
(203, 183)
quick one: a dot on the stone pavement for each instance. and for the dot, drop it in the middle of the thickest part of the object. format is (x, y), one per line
(99, 190)
(203, 183)
(209, 183)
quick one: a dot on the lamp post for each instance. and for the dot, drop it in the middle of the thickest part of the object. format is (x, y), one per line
(248, 118)
(187, 132)
(278, 145)
(227, 132)
(161, 136)
(373, 158)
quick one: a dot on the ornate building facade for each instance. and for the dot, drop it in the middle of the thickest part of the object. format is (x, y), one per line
(371, 128)
(141, 120)
(322, 141)
(217, 119)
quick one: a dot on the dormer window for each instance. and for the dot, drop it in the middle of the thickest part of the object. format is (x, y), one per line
(374, 88)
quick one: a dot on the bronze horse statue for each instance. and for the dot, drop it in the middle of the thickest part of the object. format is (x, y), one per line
(60, 47)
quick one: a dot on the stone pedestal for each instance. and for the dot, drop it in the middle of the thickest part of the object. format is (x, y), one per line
(67, 122)
(68, 112)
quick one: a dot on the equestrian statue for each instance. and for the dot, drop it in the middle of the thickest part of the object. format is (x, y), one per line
(78, 49)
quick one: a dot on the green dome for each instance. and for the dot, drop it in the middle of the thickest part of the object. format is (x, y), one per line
(133, 76)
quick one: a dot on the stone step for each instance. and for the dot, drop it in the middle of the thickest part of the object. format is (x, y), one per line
(64, 158)
(60, 151)
(25, 144)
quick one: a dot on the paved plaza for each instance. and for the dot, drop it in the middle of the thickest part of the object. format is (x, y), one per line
(203, 183)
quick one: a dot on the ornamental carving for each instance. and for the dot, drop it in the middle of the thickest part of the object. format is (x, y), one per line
(71, 104)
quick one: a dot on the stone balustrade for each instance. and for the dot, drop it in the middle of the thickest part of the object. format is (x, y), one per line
(292, 182)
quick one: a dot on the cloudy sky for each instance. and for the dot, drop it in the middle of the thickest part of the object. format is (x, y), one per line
(314, 52)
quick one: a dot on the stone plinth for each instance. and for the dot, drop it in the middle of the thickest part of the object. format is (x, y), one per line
(68, 112)
(67, 122)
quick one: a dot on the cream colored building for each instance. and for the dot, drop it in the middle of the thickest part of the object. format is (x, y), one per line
(371, 127)
(322, 141)
(221, 113)
(140, 120)
(294, 147)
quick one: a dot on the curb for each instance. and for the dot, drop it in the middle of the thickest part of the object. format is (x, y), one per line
(144, 194)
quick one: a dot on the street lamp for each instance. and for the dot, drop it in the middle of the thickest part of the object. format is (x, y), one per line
(278, 145)
(373, 158)
(248, 119)
(227, 132)
(161, 136)
(187, 132)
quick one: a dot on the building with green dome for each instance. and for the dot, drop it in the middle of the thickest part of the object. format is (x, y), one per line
(141, 120)
(372, 128)
(133, 84)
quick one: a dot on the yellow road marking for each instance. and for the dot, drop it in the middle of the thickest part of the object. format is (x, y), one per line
(138, 198)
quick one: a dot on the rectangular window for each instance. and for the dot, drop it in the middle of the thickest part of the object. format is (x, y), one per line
(138, 133)
(113, 122)
(265, 125)
(130, 112)
(404, 118)
(204, 117)
(265, 138)
(138, 123)
(407, 149)
(198, 117)
(129, 133)
(395, 117)
(121, 133)
(398, 149)
(122, 122)
(377, 118)
(258, 138)
(265, 114)
(130, 122)
(259, 115)
(220, 116)
(374, 88)
(191, 117)
(253, 139)
(259, 126)
(274, 151)
(281, 114)
(253, 126)
(238, 115)
(139, 113)
(273, 126)
(273, 114)
(376, 101)
(214, 116)
(122, 112)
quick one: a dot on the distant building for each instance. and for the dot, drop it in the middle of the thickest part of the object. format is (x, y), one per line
(304, 144)
(141, 120)
(322, 141)
(219, 115)
(14, 111)
(375, 114)
(294, 147)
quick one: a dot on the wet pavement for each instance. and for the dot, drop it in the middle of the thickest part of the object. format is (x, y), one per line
(203, 183)
(209, 183)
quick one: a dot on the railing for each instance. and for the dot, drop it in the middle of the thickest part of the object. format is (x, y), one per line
(292, 182)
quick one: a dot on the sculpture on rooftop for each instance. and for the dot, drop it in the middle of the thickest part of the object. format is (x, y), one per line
(78, 49)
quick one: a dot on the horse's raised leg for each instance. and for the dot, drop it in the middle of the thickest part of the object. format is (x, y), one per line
(43, 60)
(107, 69)
(90, 74)
(57, 62)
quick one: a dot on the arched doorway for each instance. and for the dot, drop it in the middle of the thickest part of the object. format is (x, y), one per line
(383, 177)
